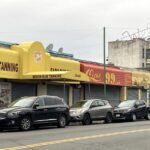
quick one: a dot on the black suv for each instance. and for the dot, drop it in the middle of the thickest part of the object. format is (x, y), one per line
(30, 112)
(132, 110)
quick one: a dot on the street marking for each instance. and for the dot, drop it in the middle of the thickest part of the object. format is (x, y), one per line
(74, 139)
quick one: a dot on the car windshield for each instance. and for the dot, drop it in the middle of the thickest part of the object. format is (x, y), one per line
(128, 103)
(23, 102)
(81, 104)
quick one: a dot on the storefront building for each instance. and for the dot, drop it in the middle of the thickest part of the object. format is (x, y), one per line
(116, 81)
(26, 69)
(140, 85)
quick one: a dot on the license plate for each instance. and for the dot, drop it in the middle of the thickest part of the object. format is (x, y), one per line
(117, 115)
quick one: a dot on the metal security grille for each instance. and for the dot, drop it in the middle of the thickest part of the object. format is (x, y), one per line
(144, 95)
(58, 90)
(132, 94)
(23, 89)
(97, 91)
(76, 94)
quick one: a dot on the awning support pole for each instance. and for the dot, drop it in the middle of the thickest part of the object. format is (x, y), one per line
(64, 90)
(90, 90)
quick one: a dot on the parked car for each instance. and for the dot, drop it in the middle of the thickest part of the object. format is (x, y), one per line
(87, 111)
(132, 110)
(30, 112)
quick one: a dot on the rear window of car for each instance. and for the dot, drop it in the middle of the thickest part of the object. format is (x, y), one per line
(53, 101)
(81, 103)
(100, 103)
(105, 102)
(140, 102)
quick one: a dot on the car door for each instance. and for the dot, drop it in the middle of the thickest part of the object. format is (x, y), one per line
(51, 106)
(39, 112)
(144, 108)
(93, 110)
(141, 109)
(102, 110)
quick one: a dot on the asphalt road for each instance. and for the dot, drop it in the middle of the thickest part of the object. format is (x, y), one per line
(99, 136)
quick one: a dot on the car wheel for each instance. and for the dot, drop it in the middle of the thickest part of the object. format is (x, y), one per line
(108, 118)
(147, 117)
(62, 121)
(25, 123)
(86, 119)
(133, 117)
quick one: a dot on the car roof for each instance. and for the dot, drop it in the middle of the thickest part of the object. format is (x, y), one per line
(134, 100)
(50, 96)
(92, 100)
(56, 97)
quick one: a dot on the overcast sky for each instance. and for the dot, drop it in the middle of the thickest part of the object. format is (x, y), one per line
(75, 25)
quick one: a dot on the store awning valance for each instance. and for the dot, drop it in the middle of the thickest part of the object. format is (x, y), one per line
(58, 75)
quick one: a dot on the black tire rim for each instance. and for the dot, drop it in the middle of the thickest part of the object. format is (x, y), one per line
(148, 115)
(133, 117)
(62, 121)
(87, 119)
(25, 124)
(109, 118)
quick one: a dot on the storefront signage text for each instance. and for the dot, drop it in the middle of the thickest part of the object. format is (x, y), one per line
(46, 76)
(91, 73)
(78, 75)
(57, 69)
(140, 79)
(97, 76)
(110, 78)
(6, 66)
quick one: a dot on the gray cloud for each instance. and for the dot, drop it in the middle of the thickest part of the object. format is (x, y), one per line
(74, 25)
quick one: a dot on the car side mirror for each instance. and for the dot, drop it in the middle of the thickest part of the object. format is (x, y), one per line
(136, 106)
(35, 105)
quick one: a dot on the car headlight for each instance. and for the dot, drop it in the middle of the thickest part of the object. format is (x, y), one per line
(77, 112)
(13, 114)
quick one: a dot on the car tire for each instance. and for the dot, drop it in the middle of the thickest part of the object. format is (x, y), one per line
(25, 123)
(109, 118)
(147, 117)
(133, 117)
(86, 119)
(62, 121)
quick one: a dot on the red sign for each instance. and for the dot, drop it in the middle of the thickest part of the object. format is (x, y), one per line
(114, 76)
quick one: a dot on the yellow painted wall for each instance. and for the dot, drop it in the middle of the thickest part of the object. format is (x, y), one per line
(9, 63)
(32, 57)
(140, 78)
(63, 63)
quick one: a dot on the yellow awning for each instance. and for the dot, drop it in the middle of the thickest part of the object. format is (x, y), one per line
(58, 75)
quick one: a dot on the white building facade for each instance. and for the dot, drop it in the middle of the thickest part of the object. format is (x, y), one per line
(133, 53)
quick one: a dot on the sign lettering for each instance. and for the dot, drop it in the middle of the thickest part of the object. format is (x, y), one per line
(6, 66)
(46, 76)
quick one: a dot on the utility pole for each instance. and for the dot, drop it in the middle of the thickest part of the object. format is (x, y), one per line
(148, 91)
(104, 57)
